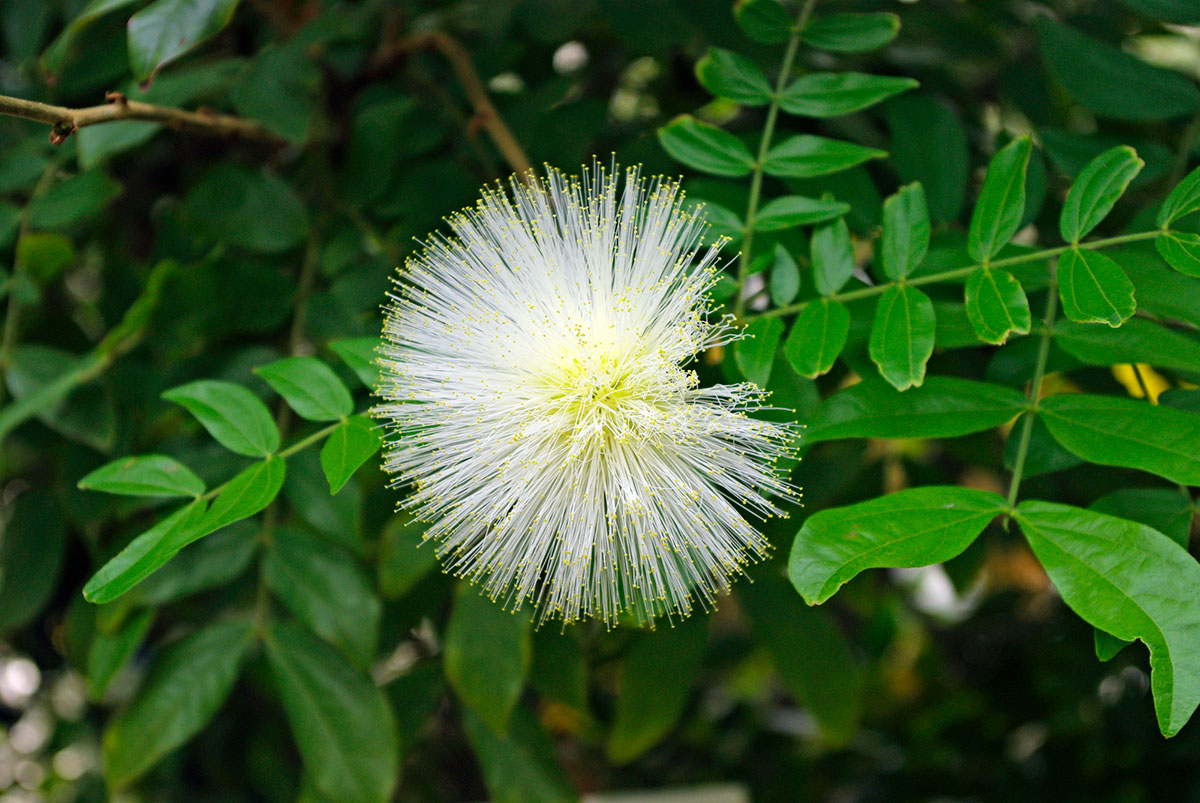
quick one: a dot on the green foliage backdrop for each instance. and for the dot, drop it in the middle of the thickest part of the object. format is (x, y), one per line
(963, 239)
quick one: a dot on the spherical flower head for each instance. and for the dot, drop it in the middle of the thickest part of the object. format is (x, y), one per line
(541, 410)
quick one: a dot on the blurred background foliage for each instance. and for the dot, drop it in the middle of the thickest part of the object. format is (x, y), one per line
(140, 258)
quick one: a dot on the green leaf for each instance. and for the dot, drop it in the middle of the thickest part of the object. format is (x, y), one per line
(929, 145)
(905, 529)
(147, 475)
(44, 255)
(832, 256)
(347, 448)
(1113, 431)
(1001, 204)
(1094, 289)
(146, 553)
(31, 557)
(755, 351)
(806, 156)
(247, 493)
(722, 222)
(705, 147)
(902, 336)
(66, 42)
(1161, 291)
(1183, 12)
(731, 75)
(906, 228)
(654, 682)
(211, 562)
(996, 305)
(1131, 581)
(1183, 200)
(763, 20)
(486, 655)
(72, 201)
(231, 414)
(1111, 82)
(359, 353)
(519, 766)
(832, 94)
(1168, 510)
(339, 718)
(943, 407)
(559, 671)
(310, 387)
(1137, 341)
(817, 337)
(250, 209)
(794, 210)
(810, 653)
(280, 90)
(1043, 455)
(86, 414)
(404, 558)
(186, 686)
(1096, 190)
(166, 29)
(323, 586)
(1180, 250)
(785, 278)
(110, 652)
(851, 33)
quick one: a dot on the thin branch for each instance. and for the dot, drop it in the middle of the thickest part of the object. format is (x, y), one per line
(486, 115)
(65, 121)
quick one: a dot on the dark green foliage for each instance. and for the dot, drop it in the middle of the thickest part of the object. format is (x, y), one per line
(964, 243)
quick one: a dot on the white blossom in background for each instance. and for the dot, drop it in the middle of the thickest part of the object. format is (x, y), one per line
(540, 410)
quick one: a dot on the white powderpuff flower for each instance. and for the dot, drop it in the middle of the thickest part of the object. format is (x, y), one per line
(539, 406)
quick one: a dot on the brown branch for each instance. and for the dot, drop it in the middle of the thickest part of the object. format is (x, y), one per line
(486, 115)
(65, 121)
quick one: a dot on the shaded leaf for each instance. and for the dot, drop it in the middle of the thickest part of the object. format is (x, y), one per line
(519, 766)
(1183, 200)
(851, 33)
(186, 686)
(487, 655)
(943, 407)
(763, 20)
(806, 156)
(1137, 341)
(166, 29)
(731, 75)
(705, 147)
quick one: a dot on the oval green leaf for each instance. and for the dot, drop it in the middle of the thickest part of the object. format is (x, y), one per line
(1096, 190)
(902, 336)
(996, 305)
(832, 94)
(851, 33)
(915, 527)
(1180, 250)
(1094, 289)
(1113, 431)
(145, 475)
(906, 231)
(347, 448)
(705, 147)
(794, 210)
(817, 337)
(806, 156)
(165, 30)
(144, 554)
(754, 352)
(233, 415)
(310, 387)
(1001, 204)
(1183, 200)
(731, 75)
(832, 253)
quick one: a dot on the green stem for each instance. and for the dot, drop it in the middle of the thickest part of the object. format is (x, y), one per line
(1035, 393)
(963, 272)
(764, 145)
(299, 445)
